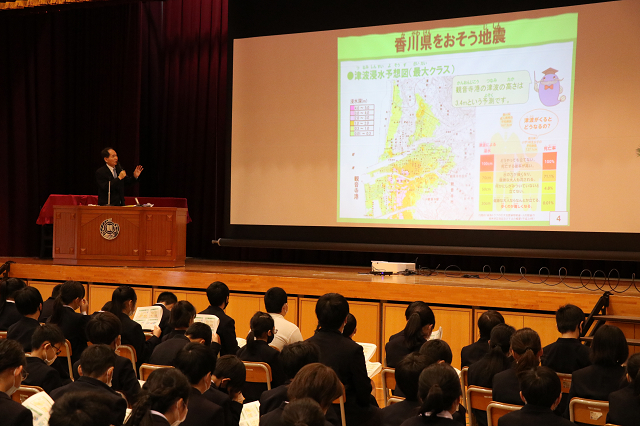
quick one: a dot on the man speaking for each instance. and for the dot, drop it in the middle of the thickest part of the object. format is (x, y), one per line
(113, 173)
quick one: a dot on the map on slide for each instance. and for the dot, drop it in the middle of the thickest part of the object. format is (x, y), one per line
(467, 125)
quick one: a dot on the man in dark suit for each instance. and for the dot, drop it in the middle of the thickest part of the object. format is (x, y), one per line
(96, 370)
(346, 358)
(197, 363)
(218, 295)
(477, 350)
(112, 172)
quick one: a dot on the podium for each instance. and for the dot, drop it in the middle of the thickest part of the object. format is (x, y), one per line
(119, 236)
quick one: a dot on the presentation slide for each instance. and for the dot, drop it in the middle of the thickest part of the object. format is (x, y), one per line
(521, 121)
(468, 124)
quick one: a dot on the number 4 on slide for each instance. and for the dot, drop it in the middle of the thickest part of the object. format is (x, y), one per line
(559, 218)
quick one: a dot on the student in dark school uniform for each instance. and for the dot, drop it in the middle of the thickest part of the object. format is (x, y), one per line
(29, 304)
(72, 323)
(624, 404)
(47, 341)
(475, 351)
(9, 314)
(12, 363)
(420, 324)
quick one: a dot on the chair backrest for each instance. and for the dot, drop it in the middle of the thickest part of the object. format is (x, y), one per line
(388, 383)
(258, 372)
(65, 352)
(478, 398)
(128, 352)
(3, 335)
(588, 411)
(495, 410)
(146, 369)
(394, 400)
(464, 382)
(341, 400)
(565, 381)
(25, 392)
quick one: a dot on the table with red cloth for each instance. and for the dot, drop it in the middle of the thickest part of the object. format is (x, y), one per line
(46, 213)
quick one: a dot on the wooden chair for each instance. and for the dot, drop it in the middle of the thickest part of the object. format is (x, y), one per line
(464, 382)
(588, 411)
(25, 392)
(258, 372)
(388, 383)
(565, 381)
(65, 352)
(478, 398)
(3, 335)
(146, 369)
(128, 352)
(394, 400)
(341, 400)
(495, 410)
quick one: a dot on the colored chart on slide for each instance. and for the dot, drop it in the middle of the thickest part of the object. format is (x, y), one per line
(467, 125)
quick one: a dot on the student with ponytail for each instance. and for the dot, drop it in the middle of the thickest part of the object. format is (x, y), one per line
(71, 323)
(526, 349)
(420, 324)
(123, 305)
(257, 349)
(624, 405)
(9, 314)
(440, 392)
(163, 399)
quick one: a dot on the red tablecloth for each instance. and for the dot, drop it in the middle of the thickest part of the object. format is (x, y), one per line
(46, 214)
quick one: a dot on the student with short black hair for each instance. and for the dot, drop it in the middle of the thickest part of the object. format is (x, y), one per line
(346, 357)
(47, 342)
(440, 392)
(105, 328)
(567, 354)
(123, 305)
(47, 305)
(292, 358)
(257, 349)
(29, 304)
(475, 351)
(198, 332)
(82, 409)
(9, 314)
(227, 381)
(275, 303)
(420, 324)
(624, 404)
(166, 300)
(526, 349)
(71, 323)
(606, 374)
(96, 372)
(437, 351)
(12, 363)
(407, 374)
(218, 296)
(303, 412)
(541, 392)
(196, 362)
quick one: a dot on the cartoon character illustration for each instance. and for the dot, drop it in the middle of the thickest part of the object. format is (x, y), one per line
(550, 88)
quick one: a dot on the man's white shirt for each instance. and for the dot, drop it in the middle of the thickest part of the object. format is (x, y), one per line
(287, 333)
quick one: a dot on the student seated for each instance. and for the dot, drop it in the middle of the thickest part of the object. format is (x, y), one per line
(181, 317)
(47, 305)
(526, 349)
(198, 332)
(609, 350)
(123, 305)
(166, 300)
(275, 303)
(104, 329)
(541, 392)
(96, 373)
(350, 327)
(47, 341)
(28, 301)
(481, 373)
(196, 362)
(407, 375)
(316, 381)
(82, 409)
(440, 392)
(9, 314)
(227, 381)
(218, 295)
(163, 400)
(293, 357)
(477, 350)
(346, 357)
(71, 323)
(420, 324)
(624, 404)
(257, 349)
(567, 354)
(12, 363)
(303, 411)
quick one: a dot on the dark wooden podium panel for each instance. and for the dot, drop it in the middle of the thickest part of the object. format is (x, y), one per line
(119, 236)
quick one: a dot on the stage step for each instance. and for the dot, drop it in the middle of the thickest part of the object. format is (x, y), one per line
(617, 318)
(630, 342)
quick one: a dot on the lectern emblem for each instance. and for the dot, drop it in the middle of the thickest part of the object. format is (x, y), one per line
(109, 229)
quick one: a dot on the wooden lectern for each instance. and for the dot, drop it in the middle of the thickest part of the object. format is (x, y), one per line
(119, 236)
